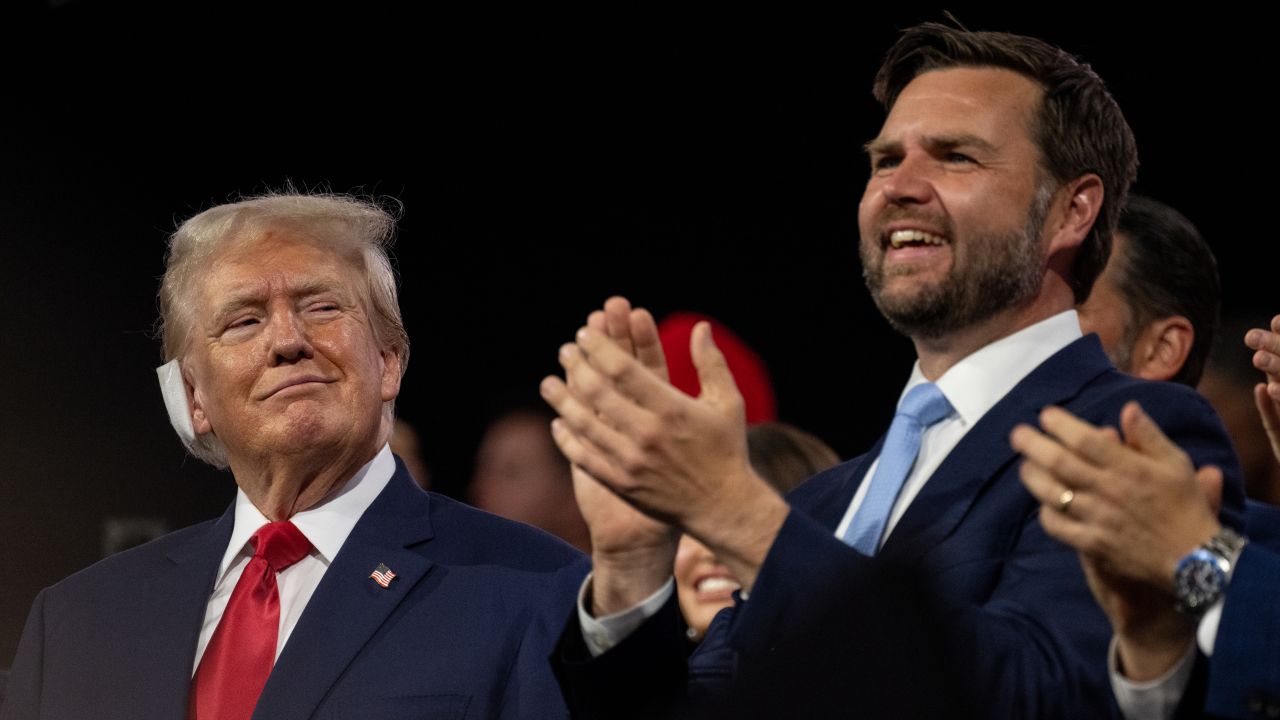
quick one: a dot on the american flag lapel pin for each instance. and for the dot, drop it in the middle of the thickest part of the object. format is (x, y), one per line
(383, 575)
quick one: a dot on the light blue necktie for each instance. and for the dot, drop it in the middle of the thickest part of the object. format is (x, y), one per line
(923, 406)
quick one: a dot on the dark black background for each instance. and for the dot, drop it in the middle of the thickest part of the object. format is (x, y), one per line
(545, 160)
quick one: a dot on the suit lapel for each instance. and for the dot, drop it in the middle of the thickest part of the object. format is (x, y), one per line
(984, 452)
(171, 609)
(348, 607)
(828, 504)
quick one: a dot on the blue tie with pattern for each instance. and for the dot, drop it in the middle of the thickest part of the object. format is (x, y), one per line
(923, 406)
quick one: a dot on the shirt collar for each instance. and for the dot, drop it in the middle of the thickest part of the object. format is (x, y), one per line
(976, 383)
(326, 525)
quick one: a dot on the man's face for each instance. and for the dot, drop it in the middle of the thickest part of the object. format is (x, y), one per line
(953, 214)
(1107, 313)
(283, 357)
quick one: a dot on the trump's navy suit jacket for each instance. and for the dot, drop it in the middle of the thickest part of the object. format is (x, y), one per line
(1023, 635)
(462, 630)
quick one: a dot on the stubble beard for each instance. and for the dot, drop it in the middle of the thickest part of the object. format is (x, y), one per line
(1003, 272)
(1122, 356)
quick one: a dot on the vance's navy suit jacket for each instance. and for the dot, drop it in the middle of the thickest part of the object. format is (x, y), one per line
(464, 630)
(1020, 631)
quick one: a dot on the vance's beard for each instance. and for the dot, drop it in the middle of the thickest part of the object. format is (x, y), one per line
(1001, 272)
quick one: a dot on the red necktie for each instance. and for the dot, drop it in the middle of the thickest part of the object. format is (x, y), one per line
(240, 654)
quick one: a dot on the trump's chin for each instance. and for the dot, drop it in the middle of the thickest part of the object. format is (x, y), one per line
(310, 432)
(297, 432)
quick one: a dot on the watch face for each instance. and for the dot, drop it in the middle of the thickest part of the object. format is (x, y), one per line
(1199, 580)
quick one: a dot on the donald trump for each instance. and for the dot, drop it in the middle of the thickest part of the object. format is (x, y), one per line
(333, 586)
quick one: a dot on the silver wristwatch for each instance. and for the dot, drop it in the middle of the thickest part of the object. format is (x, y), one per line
(1202, 574)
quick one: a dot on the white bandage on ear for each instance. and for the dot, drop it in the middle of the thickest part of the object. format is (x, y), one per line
(175, 401)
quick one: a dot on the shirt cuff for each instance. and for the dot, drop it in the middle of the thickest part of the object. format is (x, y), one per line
(603, 633)
(1153, 699)
(1207, 630)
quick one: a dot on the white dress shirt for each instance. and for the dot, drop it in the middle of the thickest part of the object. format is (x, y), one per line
(972, 386)
(1158, 699)
(326, 525)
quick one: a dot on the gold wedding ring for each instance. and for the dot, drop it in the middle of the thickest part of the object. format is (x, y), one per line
(1065, 500)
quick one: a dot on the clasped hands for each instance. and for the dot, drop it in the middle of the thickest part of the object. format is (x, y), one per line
(1135, 505)
(651, 462)
(1132, 504)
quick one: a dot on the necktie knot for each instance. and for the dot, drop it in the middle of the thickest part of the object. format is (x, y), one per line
(280, 544)
(925, 404)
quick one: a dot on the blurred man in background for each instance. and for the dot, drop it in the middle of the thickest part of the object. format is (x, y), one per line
(1155, 306)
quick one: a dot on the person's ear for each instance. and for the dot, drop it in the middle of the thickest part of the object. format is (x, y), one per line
(1078, 210)
(1162, 348)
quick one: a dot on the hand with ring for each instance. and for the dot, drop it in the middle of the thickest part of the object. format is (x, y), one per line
(1132, 507)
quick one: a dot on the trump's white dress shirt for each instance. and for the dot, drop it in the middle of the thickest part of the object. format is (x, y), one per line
(326, 525)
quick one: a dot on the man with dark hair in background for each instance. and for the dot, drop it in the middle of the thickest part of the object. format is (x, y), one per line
(1155, 306)
(996, 183)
